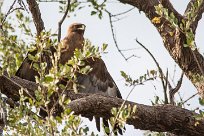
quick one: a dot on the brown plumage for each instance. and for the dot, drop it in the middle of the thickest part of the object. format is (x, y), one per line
(74, 39)
(97, 81)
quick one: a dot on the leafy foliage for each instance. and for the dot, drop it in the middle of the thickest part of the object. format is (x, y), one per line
(122, 114)
(13, 48)
(150, 75)
(96, 6)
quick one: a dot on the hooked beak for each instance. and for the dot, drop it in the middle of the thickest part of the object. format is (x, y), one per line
(82, 28)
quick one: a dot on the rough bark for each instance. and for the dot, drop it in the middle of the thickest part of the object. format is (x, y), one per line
(161, 118)
(34, 9)
(191, 62)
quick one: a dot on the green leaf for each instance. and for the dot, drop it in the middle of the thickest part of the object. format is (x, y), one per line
(104, 47)
(31, 57)
(93, 13)
(201, 101)
(36, 66)
(86, 69)
(107, 130)
(48, 78)
(114, 111)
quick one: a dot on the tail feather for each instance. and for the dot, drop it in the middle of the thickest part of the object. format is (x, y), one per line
(98, 123)
(116, 128)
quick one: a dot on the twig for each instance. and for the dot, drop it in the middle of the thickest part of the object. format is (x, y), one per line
(62, 20)
(174, 72)
(130, 49)
(189, 98)
(157, 64)
(112, 30)
(119, 14)
(123, 12)
(22, 4)
(8, 12)
(165, 90)
(171, 88)
(113, 35)
(173, 91)
(132, 57)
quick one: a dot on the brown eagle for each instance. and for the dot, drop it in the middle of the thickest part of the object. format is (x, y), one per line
(97, 81)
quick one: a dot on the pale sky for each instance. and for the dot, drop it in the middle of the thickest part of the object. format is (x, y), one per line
(133, 25)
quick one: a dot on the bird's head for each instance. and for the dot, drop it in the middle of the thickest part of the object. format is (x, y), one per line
(77, 27)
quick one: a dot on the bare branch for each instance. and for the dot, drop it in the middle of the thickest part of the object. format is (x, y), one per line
(130, 49)
(35, 11)
(189, 98)
(166, 85)
(113, 34)
(11, 9)
(62, 20)
(122, 13)
(176, 89)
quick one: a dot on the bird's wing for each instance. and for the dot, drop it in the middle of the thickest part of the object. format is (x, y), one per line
(98, 80)
(26, 70)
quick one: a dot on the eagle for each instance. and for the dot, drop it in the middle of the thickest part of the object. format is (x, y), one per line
(98, 80)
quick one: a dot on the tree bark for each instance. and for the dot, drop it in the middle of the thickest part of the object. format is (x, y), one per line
(161, 118)
(191, 62)
(35, 11)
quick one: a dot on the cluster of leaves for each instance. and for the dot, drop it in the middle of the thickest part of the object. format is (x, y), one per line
(120, 115)
(150, 75)
(185, 25)
(97, 6)
(12, 49)
(24, 120)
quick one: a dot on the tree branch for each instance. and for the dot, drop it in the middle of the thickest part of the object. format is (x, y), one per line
(62, 20)
(167, 4)
(198, 13)
(161, 118)
(183, 56)
(35, 11)
(162, 77)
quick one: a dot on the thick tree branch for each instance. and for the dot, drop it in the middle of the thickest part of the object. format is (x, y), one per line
(147, 6)
(167, 4)
(35, 11)
(198, 13)
(161, 118)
